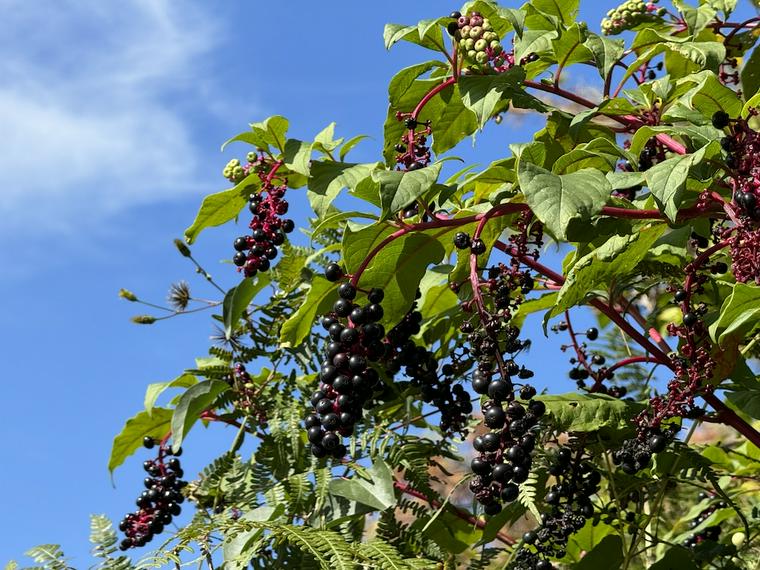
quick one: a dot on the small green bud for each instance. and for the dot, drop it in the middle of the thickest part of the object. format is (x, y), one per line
(182, 247)
(128, 295)
(143, 319)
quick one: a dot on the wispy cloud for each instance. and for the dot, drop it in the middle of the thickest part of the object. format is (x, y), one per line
(93, 106)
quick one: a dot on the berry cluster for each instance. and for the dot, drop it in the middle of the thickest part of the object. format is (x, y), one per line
(709, 533)
(247, 399)
(636, 454)
(421, 366)
(159, 502)
(570, 505)
(413, 152)
(477, 41)
(630, 14)
(347, 380)
(504, 459)
(255, 252)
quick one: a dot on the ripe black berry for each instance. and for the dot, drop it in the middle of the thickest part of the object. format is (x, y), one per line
(376, 296)
(410, 123)
(148, 442)
(592, 333)
(240, 244)
(347, 291)
(239, 259)
(680, 296)
(333, 272)
(461, 240)
(720, 119)
(478, 247)
(657, 443)
(690, 319)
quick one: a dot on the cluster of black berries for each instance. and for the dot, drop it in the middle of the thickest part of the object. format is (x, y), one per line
(413, 152)
(629, 15)
(478, 43)
(504, 454)
(569, 501)
(462, 240)
(347, 379)
(255, 252)
(636, 454)
(709, 533)
(421, 366)
(159, 502)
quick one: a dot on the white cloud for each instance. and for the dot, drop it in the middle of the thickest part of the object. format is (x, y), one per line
(94, 101)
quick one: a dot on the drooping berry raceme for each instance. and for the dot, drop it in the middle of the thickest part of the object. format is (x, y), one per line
(412, 150)
(159, 502)
(628, 15)
(255, 252)
(504, 459)
(568, 504)
(709, 533)
(477, 42)
(347, 380)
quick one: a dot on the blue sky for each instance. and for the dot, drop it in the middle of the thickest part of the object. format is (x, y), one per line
(112, 115)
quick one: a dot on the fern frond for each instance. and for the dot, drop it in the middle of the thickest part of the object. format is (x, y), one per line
(49, 555)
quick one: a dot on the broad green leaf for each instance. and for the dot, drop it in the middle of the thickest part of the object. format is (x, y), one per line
(676, 557)
(432, 38)
(324, 140)
(570, 47)
(349, 145)
(297, 156)
(235, 544)
(605, 52)
(586, 413)
(696, 18)
(607, 554)
(270, 132)
(328, 178)
(502, 19)
(400, 189)
(238, 298)
(533, 41)
(156, 424)
(746, 401)
(451, 532)
(561, 200)
(482, 93)
(454, 123)
(613, 260)
(377, 493)
(156, 389)
(398, 268)
(195, 400)
(710, 95)
(333, 221)
(217, 209)
(750, 75)
(319, 299)
(739, 315)
(667, 179)
(564, 10)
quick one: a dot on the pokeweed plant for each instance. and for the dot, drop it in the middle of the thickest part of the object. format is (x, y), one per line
(353, 376)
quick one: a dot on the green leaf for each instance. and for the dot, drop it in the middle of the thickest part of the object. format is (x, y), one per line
(262, 135)
(750, 74)
(739, 314)
(570, 47)
(454, 123)
(194, 401)
(349, 145)
(217, 209)
(334, 220)
(297, 156)
(377, 493)
(534, 41)
(696, 18)
(605, 52)
(324, 140)
(613, 260)
(561, 200)
(432, 38)
(607, 554)
(156, 424)
(319, 299)
(710, 95)
(586, 413)
(676, 557)
(398, 268)
(238, 298)
(400, 189)
(746, 401)
(235, 545)
(328, 178)
(155, 390)
(564, 10)
(482, 93)
(667, 179)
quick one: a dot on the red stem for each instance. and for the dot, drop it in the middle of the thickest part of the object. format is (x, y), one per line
(473, 520)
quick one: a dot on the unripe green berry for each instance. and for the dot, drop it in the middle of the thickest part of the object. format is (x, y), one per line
(471, 54)
(738, 538)
(481, 57)
(469, 44)
(233, 163)
(661, 11)
(487, 26)
(251, 157)
(480, 45)
(466, 31)
(476, 32)
(496, 47)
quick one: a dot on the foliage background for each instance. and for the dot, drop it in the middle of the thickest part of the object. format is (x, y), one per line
(158, 95)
